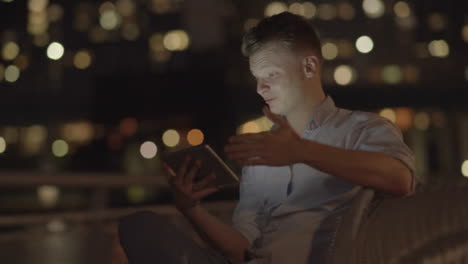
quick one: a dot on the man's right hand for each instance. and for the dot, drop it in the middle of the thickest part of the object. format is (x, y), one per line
(187, 193)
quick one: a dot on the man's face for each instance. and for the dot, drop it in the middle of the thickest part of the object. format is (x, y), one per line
(279, 75)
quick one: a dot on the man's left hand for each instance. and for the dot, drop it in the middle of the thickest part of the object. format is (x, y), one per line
(273, 148)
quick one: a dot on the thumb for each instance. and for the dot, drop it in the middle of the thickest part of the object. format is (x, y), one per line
(274, 117)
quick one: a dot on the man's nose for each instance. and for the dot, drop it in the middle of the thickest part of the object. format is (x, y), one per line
(262, 86)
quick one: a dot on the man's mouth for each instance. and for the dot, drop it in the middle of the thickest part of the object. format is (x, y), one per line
(269, 100)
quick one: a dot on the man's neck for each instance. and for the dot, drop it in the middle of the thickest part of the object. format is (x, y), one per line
(301, 115)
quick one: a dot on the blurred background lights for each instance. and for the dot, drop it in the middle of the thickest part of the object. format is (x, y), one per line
(176, 40)
(136, 193)
(404, 118)
(274, 8)
(156, 42)
(437, 21)
(48, 195)
(12, 73)
(364, 44)
(464, 168)
(106, 6)
(346, 11)
(2, 145)
(55, 51)
(422, 120)
(329, 51)
(297, 8)
(22, 62)
(59, 148)
(56, 226)
(109, 19)
(78, 132)
(310, 10)
(465, 33)
(195, 137)
(55, 12)
(326, 11)
(373, 8)
(392, 74)
(389, 114)
(82, 59)
(37, 5)
(439, 48)
(128, 126)
(344, 75)
(130, 31)
(402, 9)
(171, 138)
(10, 50)
(125, 7)
(33, 139)
(148, 150)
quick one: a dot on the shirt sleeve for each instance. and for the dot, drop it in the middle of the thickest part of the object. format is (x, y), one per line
(250, 202)
(381, 135)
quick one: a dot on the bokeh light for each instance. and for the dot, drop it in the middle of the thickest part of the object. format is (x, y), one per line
(82, 59)
(3, 145)
(274, 8)
(55, 51)
(109, 20)
(326, 11)
(389, 114)
(10, 50)
(373, 8)
(464, 168)
(136, 193)
(344, 75)
(130, 31)
(176, 40)
(439, 48)
(22, 62)
(128, 126)
(37, 5)
(464, 33)
(346, 11)
(78, 131)
(33, 138)
(195, 137)
(364, 44)
(59, 148)
(329, 51)
(402, 9)
(437, 22)
(404, 118)
(392, 74)
(297, 8)
(310, 10)
(12, 73)
(422, 120)
(171, 138)
(148, 150)
(125, 7)
(48, 195)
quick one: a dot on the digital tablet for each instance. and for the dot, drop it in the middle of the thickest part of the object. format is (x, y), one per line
(210, 162)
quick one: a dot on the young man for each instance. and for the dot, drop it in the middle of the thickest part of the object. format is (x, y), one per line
(309, 166)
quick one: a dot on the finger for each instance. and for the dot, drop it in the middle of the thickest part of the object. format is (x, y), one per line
(168, 173)
(183, 169)
(254, 137)
(243, 147)
(188, 178)
(204, 182)
(274, 117)
(205, 192)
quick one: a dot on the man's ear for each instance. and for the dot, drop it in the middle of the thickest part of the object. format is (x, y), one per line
(310, 66)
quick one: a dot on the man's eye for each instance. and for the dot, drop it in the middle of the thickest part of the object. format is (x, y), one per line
(272, 74)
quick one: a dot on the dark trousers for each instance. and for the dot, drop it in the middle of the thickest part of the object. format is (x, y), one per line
(149, 238)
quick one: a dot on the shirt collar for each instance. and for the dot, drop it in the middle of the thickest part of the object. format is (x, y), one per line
(322, 112)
